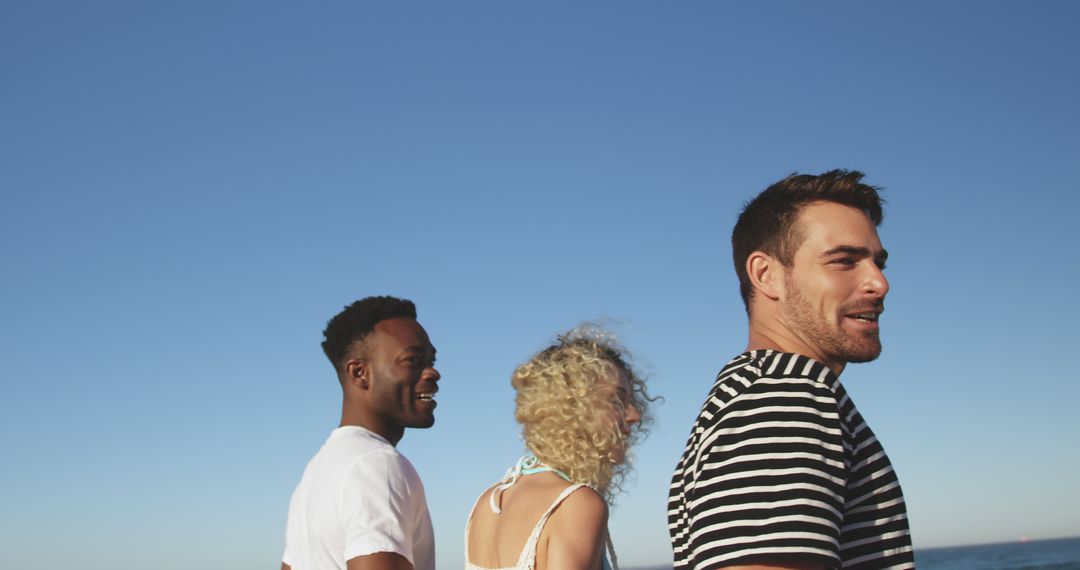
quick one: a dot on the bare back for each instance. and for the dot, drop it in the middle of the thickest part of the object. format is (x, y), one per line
(573, 536)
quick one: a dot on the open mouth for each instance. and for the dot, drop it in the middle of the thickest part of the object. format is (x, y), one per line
(426, 396)
(866, 317)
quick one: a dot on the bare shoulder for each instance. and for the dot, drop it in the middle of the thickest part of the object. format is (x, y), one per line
(483, 500)
(574, 535)
(485, 496)
(582, 509)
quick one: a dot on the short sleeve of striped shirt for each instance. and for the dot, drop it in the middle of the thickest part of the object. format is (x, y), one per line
(763, 477)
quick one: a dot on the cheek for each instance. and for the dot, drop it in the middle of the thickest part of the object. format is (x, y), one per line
(828, 294)
(612, 417)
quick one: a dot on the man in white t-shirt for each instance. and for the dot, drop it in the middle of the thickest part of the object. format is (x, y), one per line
(360, 504)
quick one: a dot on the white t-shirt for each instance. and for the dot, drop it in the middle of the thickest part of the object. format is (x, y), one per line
(358, 496)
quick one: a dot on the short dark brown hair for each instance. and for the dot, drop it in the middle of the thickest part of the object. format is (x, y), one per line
(358, 320)
(767, 223)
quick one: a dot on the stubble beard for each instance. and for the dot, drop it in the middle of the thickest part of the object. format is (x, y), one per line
(831, 340)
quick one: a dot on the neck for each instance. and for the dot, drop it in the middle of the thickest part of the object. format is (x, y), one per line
(531, 466)
(354, 416)
(771, 334)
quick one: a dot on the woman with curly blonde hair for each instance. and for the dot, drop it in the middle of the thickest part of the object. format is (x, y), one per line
(581, 406)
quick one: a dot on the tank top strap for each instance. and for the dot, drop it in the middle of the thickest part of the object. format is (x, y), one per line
(527, 560)
(609, 562)
(468, 522)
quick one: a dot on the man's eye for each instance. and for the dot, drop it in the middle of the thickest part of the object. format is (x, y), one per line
(844, 261)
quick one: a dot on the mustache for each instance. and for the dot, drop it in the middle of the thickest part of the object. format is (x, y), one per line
(863, 306)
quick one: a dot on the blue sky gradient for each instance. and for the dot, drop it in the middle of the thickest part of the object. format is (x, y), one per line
(189, 191)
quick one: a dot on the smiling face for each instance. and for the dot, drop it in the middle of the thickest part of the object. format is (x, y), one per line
(401, 377)
(835, 289)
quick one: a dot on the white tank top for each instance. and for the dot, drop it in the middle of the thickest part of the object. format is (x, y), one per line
(527, 559)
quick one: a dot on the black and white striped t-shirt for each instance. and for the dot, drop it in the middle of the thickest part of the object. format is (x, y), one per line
(780, 466)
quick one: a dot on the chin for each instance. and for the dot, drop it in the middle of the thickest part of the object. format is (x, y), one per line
(867, 354)
(424, 423)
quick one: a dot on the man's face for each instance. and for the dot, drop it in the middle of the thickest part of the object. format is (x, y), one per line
(402, 376)
(835, 289)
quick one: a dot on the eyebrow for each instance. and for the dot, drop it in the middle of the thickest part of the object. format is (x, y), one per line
(857, 251)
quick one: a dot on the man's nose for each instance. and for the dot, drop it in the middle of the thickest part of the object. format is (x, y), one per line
(875, 282)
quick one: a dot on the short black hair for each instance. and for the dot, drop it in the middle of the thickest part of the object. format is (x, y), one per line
(767, 223)
(358, 320)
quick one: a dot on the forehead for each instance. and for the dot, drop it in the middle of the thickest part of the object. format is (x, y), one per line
(400, 334)
(826, 225)
(616, 378)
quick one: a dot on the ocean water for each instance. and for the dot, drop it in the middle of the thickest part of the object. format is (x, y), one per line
(1058, 554)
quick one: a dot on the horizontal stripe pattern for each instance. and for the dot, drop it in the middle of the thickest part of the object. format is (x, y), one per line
(780, 466)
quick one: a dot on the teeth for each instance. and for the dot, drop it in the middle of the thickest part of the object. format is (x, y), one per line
(425, 396)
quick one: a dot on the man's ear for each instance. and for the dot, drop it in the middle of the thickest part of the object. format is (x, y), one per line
(766, 275)
(357, 373)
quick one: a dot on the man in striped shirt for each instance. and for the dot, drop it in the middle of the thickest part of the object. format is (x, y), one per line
(781, 470)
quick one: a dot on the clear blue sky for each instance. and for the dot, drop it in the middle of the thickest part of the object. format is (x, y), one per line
(188, 191)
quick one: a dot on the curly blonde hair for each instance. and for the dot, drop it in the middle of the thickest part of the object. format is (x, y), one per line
(566, 419)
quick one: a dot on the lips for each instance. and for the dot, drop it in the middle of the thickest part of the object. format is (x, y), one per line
(865, 316)
(868, 317)
(426, 396)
